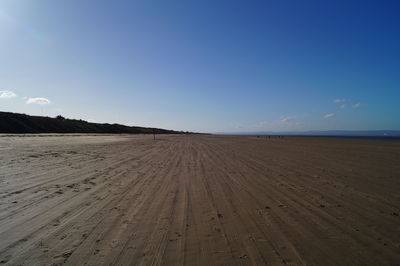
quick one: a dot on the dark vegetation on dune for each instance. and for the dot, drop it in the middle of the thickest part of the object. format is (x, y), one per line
(22, 123)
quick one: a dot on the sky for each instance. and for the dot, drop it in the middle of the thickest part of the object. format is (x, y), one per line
(204, 66)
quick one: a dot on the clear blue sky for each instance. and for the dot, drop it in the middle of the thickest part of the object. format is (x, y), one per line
(210, 66)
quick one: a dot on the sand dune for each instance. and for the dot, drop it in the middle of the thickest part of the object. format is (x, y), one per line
(198, 200)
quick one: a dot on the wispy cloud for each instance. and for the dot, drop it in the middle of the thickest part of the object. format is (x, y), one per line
(290, 122)
(343, 106)
(339, 100)
(356, 105)
(39, 100)
(7, 94)
(329, 115)
(287, 119)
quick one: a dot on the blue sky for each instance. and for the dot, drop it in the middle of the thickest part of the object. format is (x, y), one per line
(209, 66)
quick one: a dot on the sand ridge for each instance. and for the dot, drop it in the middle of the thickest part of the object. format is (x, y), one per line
(198, 200)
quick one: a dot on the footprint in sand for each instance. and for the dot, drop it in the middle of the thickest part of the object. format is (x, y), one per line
(56, 223)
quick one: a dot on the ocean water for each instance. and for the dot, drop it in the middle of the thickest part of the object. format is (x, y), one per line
(384, 138)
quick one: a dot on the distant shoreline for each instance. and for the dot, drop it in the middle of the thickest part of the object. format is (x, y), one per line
(385, 138)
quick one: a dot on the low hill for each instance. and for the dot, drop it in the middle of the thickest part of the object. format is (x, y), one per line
(22, 123)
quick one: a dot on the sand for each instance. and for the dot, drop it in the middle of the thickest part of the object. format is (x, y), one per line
(198, 200)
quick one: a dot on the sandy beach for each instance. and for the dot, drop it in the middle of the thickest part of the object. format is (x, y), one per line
(198, 200)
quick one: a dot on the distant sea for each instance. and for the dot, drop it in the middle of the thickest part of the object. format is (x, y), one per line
(385, 138)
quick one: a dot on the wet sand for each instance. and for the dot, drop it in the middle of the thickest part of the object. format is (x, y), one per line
(198, 200)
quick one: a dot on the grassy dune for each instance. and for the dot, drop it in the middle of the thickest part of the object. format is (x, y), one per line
(22, 123)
